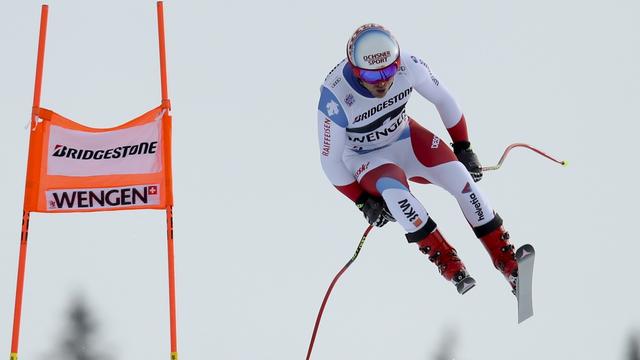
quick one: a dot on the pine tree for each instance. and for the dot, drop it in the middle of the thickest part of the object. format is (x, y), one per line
(78, 342)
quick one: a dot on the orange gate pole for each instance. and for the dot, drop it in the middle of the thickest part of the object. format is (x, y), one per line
(25, 213)
(170, 253)
(163, 57)
(172, 285)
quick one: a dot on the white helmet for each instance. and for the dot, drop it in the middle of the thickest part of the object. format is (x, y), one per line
(372, 47)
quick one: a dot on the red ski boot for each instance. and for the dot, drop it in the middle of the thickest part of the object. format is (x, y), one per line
(446, 259)
(502, 255)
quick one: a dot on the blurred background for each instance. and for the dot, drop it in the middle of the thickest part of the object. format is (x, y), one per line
(259, 230)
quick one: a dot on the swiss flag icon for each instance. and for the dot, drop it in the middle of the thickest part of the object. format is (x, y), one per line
(153, 190)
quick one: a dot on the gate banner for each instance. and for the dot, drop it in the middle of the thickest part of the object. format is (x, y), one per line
(75, 168)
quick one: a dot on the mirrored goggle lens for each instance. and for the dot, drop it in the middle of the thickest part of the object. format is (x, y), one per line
(375, 76)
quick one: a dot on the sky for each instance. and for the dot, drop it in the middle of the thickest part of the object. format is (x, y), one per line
(259, 230)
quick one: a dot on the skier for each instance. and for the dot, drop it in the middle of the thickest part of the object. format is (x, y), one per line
(370, 148)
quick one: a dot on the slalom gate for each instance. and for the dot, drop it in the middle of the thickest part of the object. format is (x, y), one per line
(75, 168)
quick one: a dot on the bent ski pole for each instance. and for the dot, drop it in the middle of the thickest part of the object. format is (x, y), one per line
(335, 279)
(506, 151)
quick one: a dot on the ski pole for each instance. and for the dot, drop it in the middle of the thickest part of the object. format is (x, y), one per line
(506, 151)
(335, 279)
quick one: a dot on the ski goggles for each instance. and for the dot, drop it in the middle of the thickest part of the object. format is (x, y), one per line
(376, 76)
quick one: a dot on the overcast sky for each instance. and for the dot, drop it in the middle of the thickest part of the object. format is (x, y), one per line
(260, 232)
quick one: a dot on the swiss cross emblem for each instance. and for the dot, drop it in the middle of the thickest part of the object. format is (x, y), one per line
(153, 190)
(52, 204)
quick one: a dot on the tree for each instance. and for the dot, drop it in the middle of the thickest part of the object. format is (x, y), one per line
(78, 341)
(634, 347)
(448, 344)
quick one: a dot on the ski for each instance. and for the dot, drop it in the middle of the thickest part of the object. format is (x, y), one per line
(525, 256)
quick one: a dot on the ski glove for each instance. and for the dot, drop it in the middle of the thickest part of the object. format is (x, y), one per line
(468, 158)
(374, 209)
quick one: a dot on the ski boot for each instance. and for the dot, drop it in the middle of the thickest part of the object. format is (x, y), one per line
(502, 254)
(444, 256)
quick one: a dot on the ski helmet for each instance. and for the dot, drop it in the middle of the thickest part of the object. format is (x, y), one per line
(373, 53)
